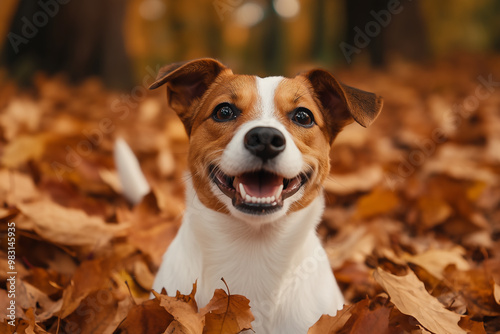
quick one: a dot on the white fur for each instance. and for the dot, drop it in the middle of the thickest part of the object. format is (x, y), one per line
(281, 267)
(133, 182)
(266, 88)
(275, 260)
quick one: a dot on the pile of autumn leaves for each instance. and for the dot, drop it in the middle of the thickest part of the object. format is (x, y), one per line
(411, 227)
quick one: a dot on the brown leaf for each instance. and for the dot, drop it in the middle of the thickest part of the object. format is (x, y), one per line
(476, 287)
(329, 325)
(436, 260)
(183, 308)
(96, 314)
(29, 326)
(369, 318)
(411, 298)
(91, 276)
(433, 211)
(16, 187)
(145, 318)
(226, 313)
(29, 297)
(24, 148)
(152, 232)
(362, 180)
(472, 326)
(68, 226)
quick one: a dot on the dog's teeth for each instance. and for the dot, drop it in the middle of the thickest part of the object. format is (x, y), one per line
(248, 198)
(278, 193)
(272, 199)
(243, 193)
(254, 199)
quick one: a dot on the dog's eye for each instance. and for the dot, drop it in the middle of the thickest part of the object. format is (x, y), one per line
(225, 112)
(303, 117)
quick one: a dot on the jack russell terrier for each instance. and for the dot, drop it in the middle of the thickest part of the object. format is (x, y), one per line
(258, 155)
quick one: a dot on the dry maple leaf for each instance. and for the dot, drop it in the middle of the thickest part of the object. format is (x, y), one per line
(183, 308)
(410, 297)
(226, 313)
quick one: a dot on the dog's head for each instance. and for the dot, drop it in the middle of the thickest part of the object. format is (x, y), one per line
(259, 147)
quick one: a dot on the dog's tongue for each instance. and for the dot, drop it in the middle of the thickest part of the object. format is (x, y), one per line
(259, 184)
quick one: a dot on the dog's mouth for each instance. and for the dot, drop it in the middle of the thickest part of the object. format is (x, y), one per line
(260, 192)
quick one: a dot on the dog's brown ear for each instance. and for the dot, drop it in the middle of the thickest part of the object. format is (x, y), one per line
(344, 103)
(187, 82)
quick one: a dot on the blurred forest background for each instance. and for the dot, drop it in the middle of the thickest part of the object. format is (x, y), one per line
(117, 39)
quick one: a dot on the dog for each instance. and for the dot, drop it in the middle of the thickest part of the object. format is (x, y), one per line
(258, 155)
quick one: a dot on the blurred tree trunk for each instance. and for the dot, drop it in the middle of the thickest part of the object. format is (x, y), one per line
(358, 15)
(318, 37)
(404, 33)
(79, 38)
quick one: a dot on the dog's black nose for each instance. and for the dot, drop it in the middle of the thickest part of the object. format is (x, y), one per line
(265, 142)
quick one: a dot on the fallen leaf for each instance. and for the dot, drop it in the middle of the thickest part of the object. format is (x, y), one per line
(433, 211)
(411, 298)
(436, 260)
(477, 288)
(68, 226)
(24, 148)
(90, 276)
(29, 297)
(328, 324)
(364, 179)
(472, 326)
(376, 203)
(16, 187)
(226, 313)
(95, 314)
(183, 308)
(145, 318)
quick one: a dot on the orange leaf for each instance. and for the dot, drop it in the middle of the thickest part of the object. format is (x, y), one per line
(226, 313)
(376, 203)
